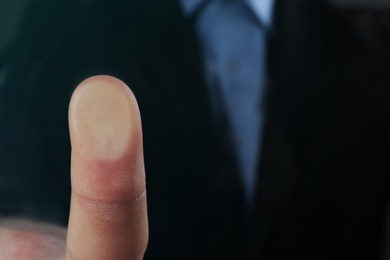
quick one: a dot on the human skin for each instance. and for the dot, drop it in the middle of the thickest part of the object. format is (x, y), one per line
(108, 213)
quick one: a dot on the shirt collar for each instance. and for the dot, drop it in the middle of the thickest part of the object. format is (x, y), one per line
(263, 9)
(189, 7)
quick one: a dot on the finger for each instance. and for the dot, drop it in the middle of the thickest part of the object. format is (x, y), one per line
(22, 239)
(108, 218)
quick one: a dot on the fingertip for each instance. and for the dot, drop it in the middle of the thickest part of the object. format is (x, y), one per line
(106, 138)
(103, 118)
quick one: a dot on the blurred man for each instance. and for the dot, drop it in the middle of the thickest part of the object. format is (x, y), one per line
(279, 155)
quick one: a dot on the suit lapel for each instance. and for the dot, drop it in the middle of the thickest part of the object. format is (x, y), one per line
(168, 54)
(288, 105)
(177, 63)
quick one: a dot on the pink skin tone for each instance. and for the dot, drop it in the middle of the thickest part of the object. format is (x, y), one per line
(108, 217)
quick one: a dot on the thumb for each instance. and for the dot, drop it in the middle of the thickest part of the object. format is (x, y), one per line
(108, 218)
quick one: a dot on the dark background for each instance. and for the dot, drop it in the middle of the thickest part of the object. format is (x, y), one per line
(11, 12)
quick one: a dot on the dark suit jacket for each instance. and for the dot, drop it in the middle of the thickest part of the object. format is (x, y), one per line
(324, 177)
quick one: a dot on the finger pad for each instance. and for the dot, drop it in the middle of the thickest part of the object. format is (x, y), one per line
(104, 122)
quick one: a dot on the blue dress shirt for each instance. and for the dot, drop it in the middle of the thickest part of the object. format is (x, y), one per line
(232, 36)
